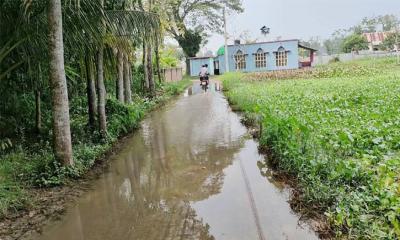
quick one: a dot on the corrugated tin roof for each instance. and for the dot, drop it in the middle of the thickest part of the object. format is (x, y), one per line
(200, 57)
(308, 48)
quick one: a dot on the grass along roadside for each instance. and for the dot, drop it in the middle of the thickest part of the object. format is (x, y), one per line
(31, 164)
(338, 133)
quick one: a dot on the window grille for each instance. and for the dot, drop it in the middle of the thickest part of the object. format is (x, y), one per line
(281, 57)
(261, 59)
(240, 60)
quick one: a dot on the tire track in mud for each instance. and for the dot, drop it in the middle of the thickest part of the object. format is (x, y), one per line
(252, 202)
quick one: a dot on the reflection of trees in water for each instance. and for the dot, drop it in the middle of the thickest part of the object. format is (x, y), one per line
(160, 183)
(148, 191)
(146, 197)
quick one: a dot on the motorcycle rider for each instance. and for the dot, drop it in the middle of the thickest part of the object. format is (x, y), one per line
(204, 73)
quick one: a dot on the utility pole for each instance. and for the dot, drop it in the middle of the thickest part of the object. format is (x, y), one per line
(397, 44)
(226, 42)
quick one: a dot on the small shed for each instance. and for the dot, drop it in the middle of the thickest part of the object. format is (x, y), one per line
(308, 60)
(197, 62)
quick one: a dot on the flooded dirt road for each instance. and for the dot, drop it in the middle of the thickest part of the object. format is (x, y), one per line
(190, 172)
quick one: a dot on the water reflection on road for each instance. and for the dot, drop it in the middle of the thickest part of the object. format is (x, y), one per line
(190, 172)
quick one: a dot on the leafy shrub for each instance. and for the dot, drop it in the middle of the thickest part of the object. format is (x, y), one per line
(124, 118)
(5, 144)
(334, 60)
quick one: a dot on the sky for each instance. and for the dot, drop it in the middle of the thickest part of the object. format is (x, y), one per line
(300, 19)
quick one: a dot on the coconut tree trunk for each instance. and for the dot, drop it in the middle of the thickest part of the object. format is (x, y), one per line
(91, 93)
(150, 76)
(127, 81)
(157, 53)
(101, 90)
(93, 76)
(145, 70)
(130, 75)
(38, 123)
(187, 66)
(120, 81)
(58, 83)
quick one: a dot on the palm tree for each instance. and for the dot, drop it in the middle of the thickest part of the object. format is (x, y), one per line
(58, 82)
(89, 31)
(91, 91)
(127, 80)
(120, 79)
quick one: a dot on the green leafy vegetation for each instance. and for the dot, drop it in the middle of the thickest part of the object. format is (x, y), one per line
(70, 85)
(182, 23)
(338, 133)
(31, 164)
(354, 42)
(391, 41)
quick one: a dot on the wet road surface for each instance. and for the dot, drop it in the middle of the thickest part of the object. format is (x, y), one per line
(190, 172)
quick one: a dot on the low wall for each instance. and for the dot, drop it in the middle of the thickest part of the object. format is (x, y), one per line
(345, 57)
(172, 74)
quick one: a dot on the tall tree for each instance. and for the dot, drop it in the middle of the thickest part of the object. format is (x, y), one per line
(146, 84)
(389, 22)
(91, 91)
(158, 60)
(333, 45)
(58, 82)
(392, 41)
(190, 42)
(120, 79)
(101, 92)
(149, 66)
(187, 19)
(127, 80)
(149, 60)
(354, 42)
(101, 89)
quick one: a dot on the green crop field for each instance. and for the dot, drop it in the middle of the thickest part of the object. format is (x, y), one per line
(337, 130)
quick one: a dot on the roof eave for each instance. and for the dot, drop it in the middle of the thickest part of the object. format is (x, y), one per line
(308, 48)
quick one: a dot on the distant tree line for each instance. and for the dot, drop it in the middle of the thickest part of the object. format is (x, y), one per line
(352, 39)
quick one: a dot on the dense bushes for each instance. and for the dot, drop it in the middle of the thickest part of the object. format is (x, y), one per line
(339, 134)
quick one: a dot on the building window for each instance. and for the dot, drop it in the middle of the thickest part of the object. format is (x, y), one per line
(240, 60)
(261, 59)
(281, 57)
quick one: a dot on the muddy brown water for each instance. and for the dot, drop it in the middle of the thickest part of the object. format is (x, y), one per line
(190, 172)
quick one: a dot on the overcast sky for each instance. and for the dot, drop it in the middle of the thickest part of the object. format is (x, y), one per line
(301, 19)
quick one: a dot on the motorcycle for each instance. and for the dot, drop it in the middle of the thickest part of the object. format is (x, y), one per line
(204, 81)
